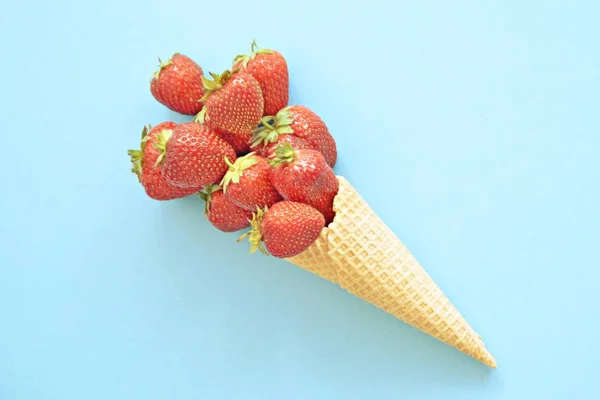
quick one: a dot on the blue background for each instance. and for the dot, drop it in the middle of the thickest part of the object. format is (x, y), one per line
(470, 127)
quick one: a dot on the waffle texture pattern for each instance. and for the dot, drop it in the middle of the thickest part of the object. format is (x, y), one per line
(358, 252)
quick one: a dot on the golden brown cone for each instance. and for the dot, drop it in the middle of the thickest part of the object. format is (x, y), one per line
(362, 255)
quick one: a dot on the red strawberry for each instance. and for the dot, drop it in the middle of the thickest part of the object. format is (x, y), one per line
(247, 183)
(287, 229)
(268, 151)
(240, 143)
(222, 213)
(177, 84)
(192, 155)
(151, 178)
(271, 71)
(302, 122)
(233, 102)
(304, 176)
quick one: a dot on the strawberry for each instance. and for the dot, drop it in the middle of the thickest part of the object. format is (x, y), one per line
(268, 151)
(271, 71)
(287, 229)
(302, 122)
(247, 183)
(151, 178)
(222, 213)
(240, 143)
(233, 102)
(192, 155)
(304, 176)
(177, 84)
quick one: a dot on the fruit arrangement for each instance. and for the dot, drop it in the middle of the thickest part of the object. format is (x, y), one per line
(245, 151)
(266, 166)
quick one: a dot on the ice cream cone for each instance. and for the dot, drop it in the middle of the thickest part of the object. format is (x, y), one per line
(362, 255)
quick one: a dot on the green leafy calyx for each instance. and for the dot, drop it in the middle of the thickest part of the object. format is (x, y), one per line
(284, 118)
(236, 170)
(284, 153)
(161, 144)
(162, 65)
(206, 195)
(271, 127)
(137, 156)
(254, 51)
(201, 116)
(254, 236)
(217, 82)
(265, 133)
(136, 161)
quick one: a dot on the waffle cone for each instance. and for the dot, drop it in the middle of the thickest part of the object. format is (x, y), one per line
(358, 252)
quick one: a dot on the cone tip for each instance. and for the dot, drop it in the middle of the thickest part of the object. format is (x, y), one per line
(487, 358)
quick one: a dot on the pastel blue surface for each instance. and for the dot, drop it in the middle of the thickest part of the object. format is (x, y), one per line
(470, 127)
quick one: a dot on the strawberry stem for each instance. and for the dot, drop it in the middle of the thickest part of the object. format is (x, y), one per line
(136, 161)
(231, 166)
(254, 51)
(217, 82)
(272, 127)
(206, 195)
(161, 144)
(284, 119)
(257, 50)
(236, 169)
(254, 236)
(137, 156)
(284, 153)
(201, 116)
(265, 133)
(267, 121)
(162, 65)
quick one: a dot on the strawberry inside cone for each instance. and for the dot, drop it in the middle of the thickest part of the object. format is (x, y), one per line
(303, 175)
(286, 229)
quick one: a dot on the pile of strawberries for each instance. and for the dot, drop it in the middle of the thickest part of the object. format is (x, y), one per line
(257, 161)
